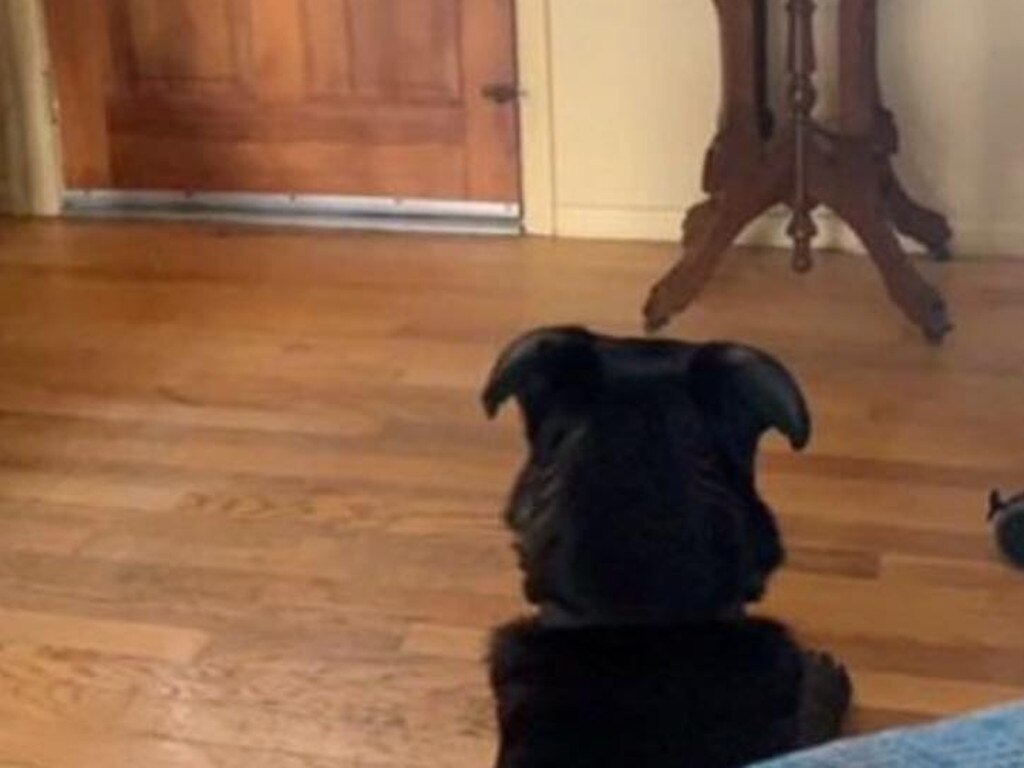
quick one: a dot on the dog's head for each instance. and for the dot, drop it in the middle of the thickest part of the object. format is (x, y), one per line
(637, 501)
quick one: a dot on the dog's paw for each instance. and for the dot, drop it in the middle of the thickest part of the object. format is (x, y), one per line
(824, 699)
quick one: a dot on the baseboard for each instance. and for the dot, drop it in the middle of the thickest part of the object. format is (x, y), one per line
(314, 211)
(657, 224)
(663, 225)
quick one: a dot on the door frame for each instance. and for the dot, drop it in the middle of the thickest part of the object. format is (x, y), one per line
(33, 179)
(34, 120)
(537, 144)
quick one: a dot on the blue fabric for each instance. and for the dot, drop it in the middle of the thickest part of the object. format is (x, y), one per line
(992, 739)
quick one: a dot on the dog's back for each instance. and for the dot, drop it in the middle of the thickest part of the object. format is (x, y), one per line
(708, 696)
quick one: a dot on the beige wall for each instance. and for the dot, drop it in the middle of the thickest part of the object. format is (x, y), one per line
(624, 105)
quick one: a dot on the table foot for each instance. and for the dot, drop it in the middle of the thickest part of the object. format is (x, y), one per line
(710, 228)
(921, 224)
(918, 300)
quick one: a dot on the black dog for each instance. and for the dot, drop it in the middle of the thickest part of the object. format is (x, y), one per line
(641, 537)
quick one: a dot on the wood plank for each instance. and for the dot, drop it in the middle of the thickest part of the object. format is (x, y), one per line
(936, 698)
(128, 639)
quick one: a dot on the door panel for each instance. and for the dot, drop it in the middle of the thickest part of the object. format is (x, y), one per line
(406, 50)
(355, 97)
(186, 41)
(329, 49)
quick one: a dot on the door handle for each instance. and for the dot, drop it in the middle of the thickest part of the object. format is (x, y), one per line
(501, 93)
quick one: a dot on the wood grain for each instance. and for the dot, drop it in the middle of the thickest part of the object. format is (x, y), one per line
(249, 506)
(80, 70)
(362, 97)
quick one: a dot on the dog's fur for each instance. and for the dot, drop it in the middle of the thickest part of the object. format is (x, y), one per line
(641, 538)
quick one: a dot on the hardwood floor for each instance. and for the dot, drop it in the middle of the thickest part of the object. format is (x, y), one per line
(249, 503)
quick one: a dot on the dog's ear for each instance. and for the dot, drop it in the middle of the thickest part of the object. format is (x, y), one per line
(544, 370)
(745, 392)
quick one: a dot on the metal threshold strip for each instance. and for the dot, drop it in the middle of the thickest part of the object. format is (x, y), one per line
(320, 211)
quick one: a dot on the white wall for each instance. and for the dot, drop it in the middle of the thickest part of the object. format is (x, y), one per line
(632, 93)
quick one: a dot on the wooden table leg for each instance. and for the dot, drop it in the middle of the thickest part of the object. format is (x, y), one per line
(802, 62)
(848, 179)
(744, 125)
(762, 69)
(863, 113)
(723, 220)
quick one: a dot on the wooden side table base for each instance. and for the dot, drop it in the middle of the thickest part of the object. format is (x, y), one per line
(851, 180)
(804, 166)
(847, 176)
(713, 225)
(910, 218)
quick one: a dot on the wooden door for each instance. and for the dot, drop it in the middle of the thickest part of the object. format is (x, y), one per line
(347, 97)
